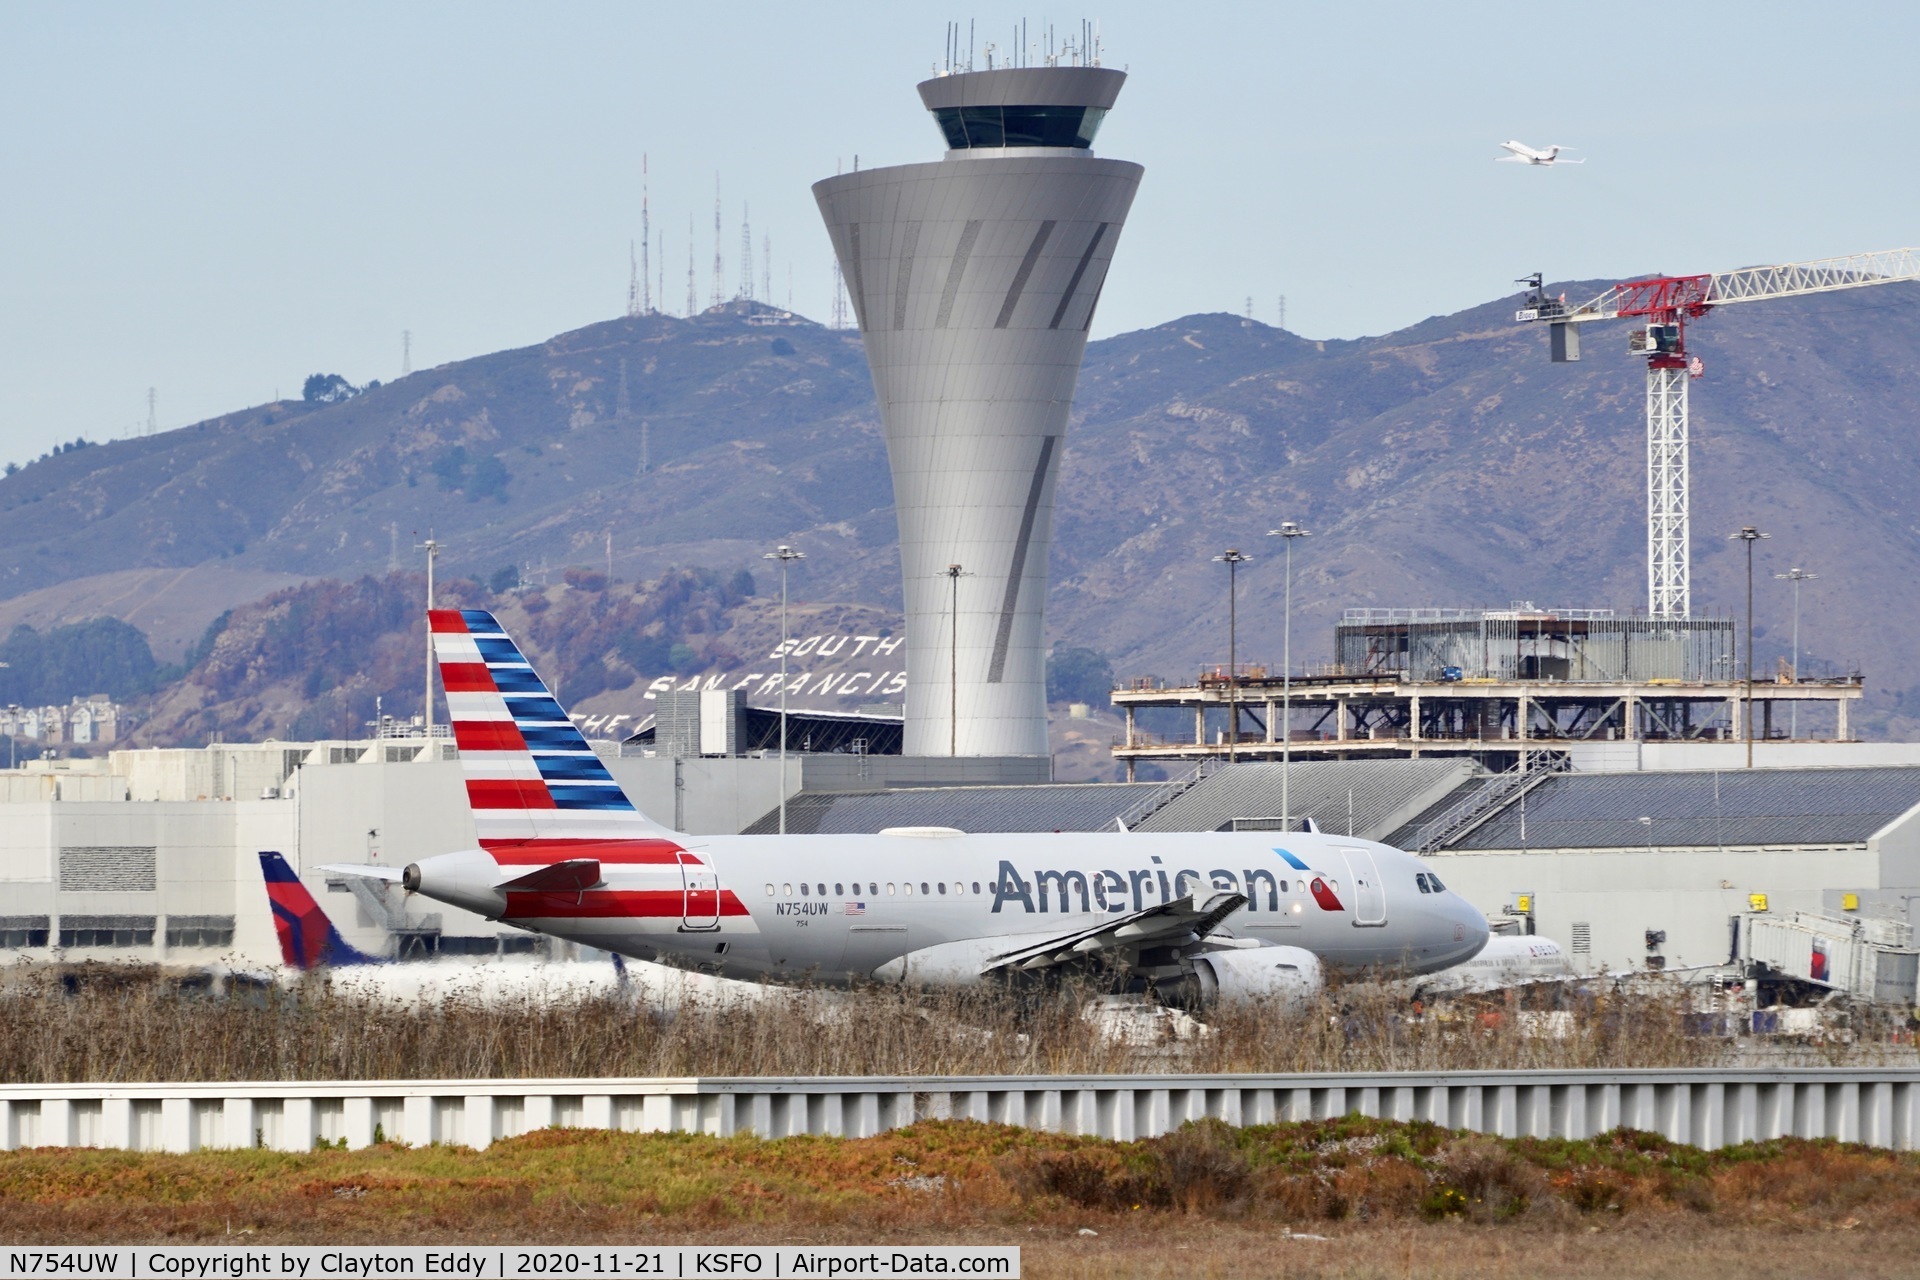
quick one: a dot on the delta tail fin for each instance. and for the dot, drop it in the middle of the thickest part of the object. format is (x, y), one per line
(535, 786)
(308, 939)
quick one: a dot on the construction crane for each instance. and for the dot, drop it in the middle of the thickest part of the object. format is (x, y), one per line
(1667, 303)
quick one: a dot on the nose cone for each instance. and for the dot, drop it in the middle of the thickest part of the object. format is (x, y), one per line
(1471, 928)
(893, 970)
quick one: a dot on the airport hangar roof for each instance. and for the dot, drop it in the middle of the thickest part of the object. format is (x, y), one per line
(1702, 809)
(1365, 798)
(1063, 806)
(1380, 795)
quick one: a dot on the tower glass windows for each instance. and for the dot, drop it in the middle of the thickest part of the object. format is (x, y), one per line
(967, 127)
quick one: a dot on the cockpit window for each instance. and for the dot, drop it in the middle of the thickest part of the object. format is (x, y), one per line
(1434, 880)
(1420, 878)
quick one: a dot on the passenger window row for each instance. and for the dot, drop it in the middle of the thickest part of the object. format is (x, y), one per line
(841, 889)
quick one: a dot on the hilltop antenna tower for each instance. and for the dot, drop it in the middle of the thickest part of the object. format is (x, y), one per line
(153, 411)
(719, 267)
(839, 316)
(646, 241)
(746, 254)
(633, 282)
(406, 352)
(766, 268)
(1283, 311)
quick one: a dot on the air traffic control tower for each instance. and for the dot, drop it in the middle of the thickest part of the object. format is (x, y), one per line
(974, 280)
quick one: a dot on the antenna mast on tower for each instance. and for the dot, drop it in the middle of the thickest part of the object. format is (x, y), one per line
(719, 267)
(746, 254)
(766, 269)
(646, 241)
(693, 296)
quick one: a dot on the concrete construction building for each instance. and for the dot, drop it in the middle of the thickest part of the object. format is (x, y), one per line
(1496, 685)
(974, 280)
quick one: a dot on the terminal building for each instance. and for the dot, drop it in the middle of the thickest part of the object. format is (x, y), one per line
(153, 855)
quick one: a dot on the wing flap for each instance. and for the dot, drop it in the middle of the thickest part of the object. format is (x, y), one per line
(1181, 922)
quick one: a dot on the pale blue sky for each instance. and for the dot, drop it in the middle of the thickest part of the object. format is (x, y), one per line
(219, 199)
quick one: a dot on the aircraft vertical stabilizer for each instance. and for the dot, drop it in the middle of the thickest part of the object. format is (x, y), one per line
(532, 779)
(308, 939)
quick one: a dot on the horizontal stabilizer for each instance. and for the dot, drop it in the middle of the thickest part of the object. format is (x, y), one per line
(365, 872)
(571, 876)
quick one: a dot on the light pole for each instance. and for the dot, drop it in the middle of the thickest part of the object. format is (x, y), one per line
(1796, 576)
(432, 549)
(785, 555)
(954, 574)
(1289, 531)
(1233, 559)
(1749, 535)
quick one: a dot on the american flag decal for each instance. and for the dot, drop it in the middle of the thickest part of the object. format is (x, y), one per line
(856, 908)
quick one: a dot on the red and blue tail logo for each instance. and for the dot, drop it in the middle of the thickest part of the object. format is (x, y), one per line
(308, 939)
(530, 775)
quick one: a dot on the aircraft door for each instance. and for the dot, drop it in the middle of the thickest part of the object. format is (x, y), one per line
(699, 895)
(1369, 895)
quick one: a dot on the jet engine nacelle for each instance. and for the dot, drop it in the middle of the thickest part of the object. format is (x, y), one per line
(1287, 976)
(465, 879)
(948, 965)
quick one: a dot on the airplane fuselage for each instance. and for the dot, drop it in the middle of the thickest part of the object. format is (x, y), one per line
(837, 908)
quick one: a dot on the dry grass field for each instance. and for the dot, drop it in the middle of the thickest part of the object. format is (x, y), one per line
(112, 1025)
(1352, 1197)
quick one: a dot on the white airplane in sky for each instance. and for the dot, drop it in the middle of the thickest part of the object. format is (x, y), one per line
(1186, 918)
(1521, 153)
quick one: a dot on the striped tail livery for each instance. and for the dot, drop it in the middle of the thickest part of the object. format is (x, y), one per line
(550, 819)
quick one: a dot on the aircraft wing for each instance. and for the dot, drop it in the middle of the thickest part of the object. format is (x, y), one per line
(365, 872)
(1179, 923)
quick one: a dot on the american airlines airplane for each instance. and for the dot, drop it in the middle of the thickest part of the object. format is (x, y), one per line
(1186, 918)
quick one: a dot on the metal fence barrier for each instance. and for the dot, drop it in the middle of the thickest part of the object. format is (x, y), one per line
(1707, 1107)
